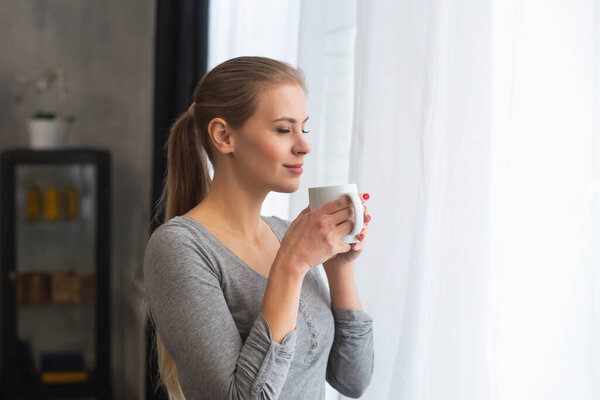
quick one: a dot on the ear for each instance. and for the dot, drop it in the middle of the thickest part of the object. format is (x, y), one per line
(220, 134)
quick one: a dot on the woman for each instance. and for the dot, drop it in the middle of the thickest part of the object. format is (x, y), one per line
(225, 285)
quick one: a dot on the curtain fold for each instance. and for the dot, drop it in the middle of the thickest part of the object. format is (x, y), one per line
(594, 187)
(545, 161)
(421, 146)
(476, 132)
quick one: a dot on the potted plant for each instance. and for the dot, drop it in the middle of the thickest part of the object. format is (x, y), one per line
(47, 129)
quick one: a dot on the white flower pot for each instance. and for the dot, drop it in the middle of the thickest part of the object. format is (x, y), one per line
(47, 133)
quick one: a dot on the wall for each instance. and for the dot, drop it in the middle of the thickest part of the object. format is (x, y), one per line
(107, 50)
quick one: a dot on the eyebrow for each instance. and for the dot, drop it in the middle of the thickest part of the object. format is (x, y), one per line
(292, 120)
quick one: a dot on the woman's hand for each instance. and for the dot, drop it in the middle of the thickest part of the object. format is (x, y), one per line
(315, 236)
(348, 257)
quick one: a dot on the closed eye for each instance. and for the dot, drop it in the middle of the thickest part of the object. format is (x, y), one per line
(288, 131)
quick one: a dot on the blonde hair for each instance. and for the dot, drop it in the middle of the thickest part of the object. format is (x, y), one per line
(229, 91)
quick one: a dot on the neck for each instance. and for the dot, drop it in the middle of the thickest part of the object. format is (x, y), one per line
(235, 205)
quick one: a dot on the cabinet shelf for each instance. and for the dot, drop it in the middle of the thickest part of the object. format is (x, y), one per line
(55, 274)
(56, 391)
(51, 305)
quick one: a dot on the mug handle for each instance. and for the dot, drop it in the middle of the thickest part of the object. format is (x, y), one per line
(358, 213)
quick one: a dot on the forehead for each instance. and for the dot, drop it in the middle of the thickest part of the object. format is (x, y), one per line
(282, 100)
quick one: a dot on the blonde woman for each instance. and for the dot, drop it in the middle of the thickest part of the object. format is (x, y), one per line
(238, 309)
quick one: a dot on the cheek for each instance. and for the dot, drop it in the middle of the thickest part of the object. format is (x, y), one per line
(272, 152)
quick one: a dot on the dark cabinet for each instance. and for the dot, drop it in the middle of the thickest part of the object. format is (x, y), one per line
(55, 243)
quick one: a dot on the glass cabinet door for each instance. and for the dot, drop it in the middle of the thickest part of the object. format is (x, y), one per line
(55, 273)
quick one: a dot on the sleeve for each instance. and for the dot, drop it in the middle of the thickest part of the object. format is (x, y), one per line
(194, 322)
(350, 363)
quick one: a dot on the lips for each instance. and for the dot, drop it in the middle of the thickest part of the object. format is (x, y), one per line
(295, 169)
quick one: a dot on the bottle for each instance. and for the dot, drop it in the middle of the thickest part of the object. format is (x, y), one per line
(51, 204)
(34, 203)
(71, 202)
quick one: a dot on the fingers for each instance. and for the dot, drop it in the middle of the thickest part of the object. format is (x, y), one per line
(343, 202)
(344, 228)
(348, 212)
(342, 215)
(361, 243)
(363, 197)
(364, 232)
(336, 205)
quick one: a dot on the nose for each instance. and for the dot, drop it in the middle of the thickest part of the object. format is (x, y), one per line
(302, 146)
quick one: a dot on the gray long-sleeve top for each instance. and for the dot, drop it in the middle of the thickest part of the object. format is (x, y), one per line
(205, 302)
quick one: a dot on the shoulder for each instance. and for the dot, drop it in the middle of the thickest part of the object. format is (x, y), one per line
(280, 221)
(176, 245)
(171, 235)
(280, 225)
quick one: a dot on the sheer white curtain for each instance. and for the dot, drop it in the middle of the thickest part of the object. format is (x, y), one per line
(421, 144)
(476, 132)
(475, 129)
(545, 199)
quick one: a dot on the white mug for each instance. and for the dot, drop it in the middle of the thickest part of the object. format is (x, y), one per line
(318, 196)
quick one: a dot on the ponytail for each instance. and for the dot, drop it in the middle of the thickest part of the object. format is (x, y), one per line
(188, 179)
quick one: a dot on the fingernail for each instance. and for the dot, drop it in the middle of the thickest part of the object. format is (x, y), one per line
(361, 236)
(366, 196)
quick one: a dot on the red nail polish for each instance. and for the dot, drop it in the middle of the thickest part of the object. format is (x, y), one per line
(366, 196)
(361, 236)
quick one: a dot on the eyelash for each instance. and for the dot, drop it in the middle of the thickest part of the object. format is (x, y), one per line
(288, 131)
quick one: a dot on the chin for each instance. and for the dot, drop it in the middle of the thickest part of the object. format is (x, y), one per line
(290, 187)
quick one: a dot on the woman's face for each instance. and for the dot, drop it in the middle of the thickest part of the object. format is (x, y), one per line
(272, 138)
